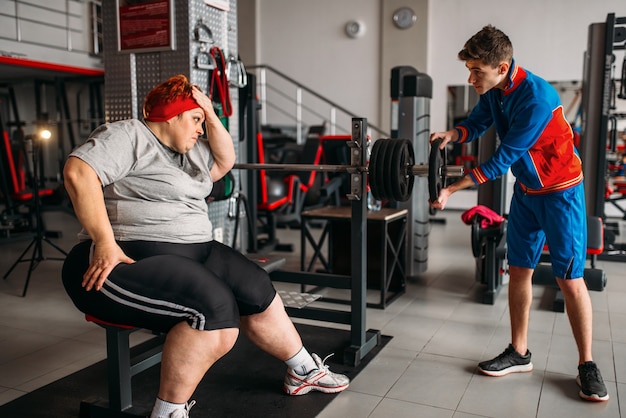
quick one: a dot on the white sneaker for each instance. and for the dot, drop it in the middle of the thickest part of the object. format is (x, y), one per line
(320, 379)
(183, 413)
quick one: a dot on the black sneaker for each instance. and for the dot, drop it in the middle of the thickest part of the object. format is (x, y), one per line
(592, 386)
(510, 361)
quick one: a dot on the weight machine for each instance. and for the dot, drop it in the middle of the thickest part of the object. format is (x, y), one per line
(411, 92)
(599, 96)
(391, 171)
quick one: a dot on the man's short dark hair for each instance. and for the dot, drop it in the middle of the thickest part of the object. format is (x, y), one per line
(490, 45)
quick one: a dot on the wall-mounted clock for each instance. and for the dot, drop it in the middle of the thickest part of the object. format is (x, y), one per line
(404, 17)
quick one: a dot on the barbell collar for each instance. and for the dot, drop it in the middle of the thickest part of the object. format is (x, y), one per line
(453, 170)
(421, 170)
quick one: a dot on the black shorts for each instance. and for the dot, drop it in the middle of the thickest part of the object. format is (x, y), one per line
(209, 285)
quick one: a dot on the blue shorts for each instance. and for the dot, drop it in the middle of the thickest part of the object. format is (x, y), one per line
(557, 218)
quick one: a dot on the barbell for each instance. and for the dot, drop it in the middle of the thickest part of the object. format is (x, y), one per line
(391, 170)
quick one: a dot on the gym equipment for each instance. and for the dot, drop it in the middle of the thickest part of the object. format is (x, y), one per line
(33, 151)
(598, 91)
(410, 92)
(489, 249)
(436, 181)
(391, 170)
(491, 263)
(361, 341)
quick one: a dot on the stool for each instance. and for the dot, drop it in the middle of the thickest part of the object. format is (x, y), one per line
(386, 249)
(121, 367)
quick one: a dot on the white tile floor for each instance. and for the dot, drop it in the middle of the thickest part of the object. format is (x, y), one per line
(439, 332)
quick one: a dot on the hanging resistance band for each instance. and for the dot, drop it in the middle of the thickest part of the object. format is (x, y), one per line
(218, 84)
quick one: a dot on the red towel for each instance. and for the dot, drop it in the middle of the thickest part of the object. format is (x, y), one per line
(487, 216)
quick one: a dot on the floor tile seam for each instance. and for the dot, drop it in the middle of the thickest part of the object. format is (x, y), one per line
(28, 353)
(421, 404)
(21, 383)
(476, 373)
(380, 400)
(611, 328)
(444, 356)
(69, 369)
(29, 331)
(549, 352)
(400, 375)
(614, 369)
(22, 393)
(473, 375)
(41, 349)
(430, 353)
(543, 381)
(422, 350)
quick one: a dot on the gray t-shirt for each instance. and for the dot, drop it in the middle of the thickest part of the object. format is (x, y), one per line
(151, 192)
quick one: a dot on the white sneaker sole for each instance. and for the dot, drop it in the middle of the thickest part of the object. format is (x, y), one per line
(593, 398)
(303, 390)
(513, 369)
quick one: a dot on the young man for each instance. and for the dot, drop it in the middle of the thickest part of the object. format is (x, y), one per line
(548, 201)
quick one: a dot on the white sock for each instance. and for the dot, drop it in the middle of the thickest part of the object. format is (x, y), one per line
(163, 409)
(302, 363)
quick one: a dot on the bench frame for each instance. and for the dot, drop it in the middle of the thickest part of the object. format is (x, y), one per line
(122, 365)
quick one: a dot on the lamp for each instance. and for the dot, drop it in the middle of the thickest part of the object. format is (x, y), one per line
(45, 134)
(33, 161)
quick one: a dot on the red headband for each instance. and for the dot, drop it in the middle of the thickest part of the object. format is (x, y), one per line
(165, 111)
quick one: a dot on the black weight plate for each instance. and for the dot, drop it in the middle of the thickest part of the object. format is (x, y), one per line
(435, 176)
(595, 279)
(381, 169)
(408, 163)
(391, 169)
(403, 180)
(374, 173)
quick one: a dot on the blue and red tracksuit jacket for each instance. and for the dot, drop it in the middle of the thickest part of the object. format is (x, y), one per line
(536, 141)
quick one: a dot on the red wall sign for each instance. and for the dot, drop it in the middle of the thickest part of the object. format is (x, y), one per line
(145, 25)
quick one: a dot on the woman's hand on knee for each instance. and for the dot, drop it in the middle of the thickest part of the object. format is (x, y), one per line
(103, 260)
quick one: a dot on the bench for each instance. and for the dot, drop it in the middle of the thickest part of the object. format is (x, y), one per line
(124, 362)
(616, 194)
(122, 365)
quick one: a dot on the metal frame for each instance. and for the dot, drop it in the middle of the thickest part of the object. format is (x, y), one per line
(362, 341)
(411, 92)
(602, 39)
(391, 248)
(121, 367)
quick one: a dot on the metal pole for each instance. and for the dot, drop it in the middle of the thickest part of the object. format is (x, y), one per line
(299, 138)
(263, 96)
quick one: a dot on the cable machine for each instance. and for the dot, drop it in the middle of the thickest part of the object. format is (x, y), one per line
(599, 96)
